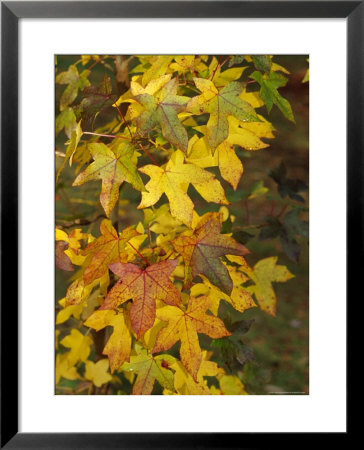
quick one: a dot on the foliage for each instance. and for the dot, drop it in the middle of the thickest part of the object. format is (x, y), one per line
(147, 305)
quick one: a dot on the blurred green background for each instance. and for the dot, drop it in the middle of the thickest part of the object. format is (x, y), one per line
(281, 343)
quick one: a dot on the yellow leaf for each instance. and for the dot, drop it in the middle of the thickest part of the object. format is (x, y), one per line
(173, 180)
(73, 310)
(231, 385)
(97, 372)
(263, 274)
(239, 298)
(63, 368)
(186, 385)
(79, 345)
(159, 66)
(119, 343)
(220, 105)
(184, 326)
(150, 368)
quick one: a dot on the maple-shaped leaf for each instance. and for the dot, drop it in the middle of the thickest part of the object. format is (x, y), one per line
(71, 148)
(119, 343)
(97, 372)
(230, 166)
(264, 273)
(269, 85)
(106, 249)
(187, 63)
(231, 385)
(220, 105)
(67, 120)
(186, 385)
(150, 368)
(79, 345)
(113, 167)
(63, 369)
(183, 326)
(163, 110)
(67, 248)
(144, 287)
(173, 180)
(74, 81)
(239, 298)
(157, 66)
(95, 99)
(202, 249)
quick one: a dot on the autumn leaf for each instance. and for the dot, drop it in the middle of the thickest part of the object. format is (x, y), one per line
(220, 105)
(269, 85)
(231, 385)
(66, 120)
(144, 287)
(230, 166)
(239, 298)
(186, 385)
(106, 249)
(113, 167)
(163, 110)
(95, 99)
(97, 372)
(264, 273)
(67, 248)
(62, 260)
(187, 63)
(173, 180)
(63, 368)
(202, 249)
(74, 81)
(79, 345)
(183, 326)
(158, 66)
(119, 343)
(222, 78)
(149, 368)
(71, 148)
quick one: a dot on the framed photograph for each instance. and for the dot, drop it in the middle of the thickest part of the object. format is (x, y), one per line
(180, 181)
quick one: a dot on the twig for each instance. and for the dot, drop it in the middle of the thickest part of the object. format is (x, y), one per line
(113, 136)
(79, 222)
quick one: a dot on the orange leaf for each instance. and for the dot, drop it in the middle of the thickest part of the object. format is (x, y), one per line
(184, 326)
(202, 249)
(105, 250)
(144, 287)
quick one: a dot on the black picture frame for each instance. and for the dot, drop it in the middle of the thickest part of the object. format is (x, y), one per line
(11, 12)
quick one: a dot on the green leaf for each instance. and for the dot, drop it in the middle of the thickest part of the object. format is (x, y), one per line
(270, 95)
(95, 99)
(75, 81)
(164, 112)
(220, 105)
(67, 120)
(287, 186)
(262, 62)
(72, 146)
(113, 166)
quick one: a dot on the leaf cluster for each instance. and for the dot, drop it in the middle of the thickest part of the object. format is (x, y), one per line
(143, 305)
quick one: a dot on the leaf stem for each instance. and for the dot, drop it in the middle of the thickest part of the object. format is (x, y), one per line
(113, 136)
(132, 246)
(282, 211)
(148, 154)
(123, 117)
